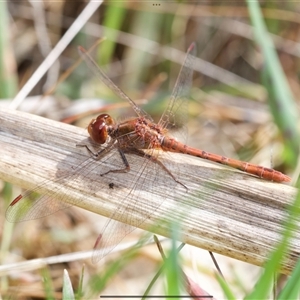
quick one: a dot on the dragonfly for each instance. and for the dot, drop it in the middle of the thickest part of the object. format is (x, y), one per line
(120, 141)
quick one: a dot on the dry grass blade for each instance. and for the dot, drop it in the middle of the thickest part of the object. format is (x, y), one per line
(56, 52)
(225, 211)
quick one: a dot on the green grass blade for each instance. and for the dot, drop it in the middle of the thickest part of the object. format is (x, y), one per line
(47, 284)
(100, 281)
(225, 287)
(292, 287)
(114, 18)
(272, 267)
(172, 266)
(148, 25)
(79, 292)
(281, 100)
(68, 293)
(8, 80)
(7, 233)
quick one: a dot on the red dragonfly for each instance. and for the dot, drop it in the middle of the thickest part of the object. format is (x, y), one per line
(139, 136)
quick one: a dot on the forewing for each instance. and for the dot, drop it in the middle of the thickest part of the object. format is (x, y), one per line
(176, 114)
(103, 77)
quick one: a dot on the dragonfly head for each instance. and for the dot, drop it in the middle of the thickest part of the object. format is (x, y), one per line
(98, 128)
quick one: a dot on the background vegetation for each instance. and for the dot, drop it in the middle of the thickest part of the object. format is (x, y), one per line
(242, 105)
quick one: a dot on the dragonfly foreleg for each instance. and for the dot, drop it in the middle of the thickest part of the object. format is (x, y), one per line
(99, 154)
(93, 154)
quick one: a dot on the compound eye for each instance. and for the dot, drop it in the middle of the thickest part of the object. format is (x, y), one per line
(97, 131)
(107, 118)
(98, 128)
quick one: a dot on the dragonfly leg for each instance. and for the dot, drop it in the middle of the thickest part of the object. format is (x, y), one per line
(102, 152)
(156, 161)
(94, 155)
(99, 154)
(126, 164)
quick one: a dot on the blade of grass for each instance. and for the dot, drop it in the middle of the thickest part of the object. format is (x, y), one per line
(281, 102)
(172, 269)
(225, 287)
(284, 111)
(147, 25)
(47, 284)
(115, 15)
(292, 287)
(160, 270)
(99, 282)
(273, 265)
(7, 234)
(72, 31)
(79, 292)
(68, 292)
(8, 80)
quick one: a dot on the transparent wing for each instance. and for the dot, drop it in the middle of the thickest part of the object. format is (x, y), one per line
(133, 189)
(138, 193)
(175, 115)
(59, 193)
(103, 77)
(148, 189)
